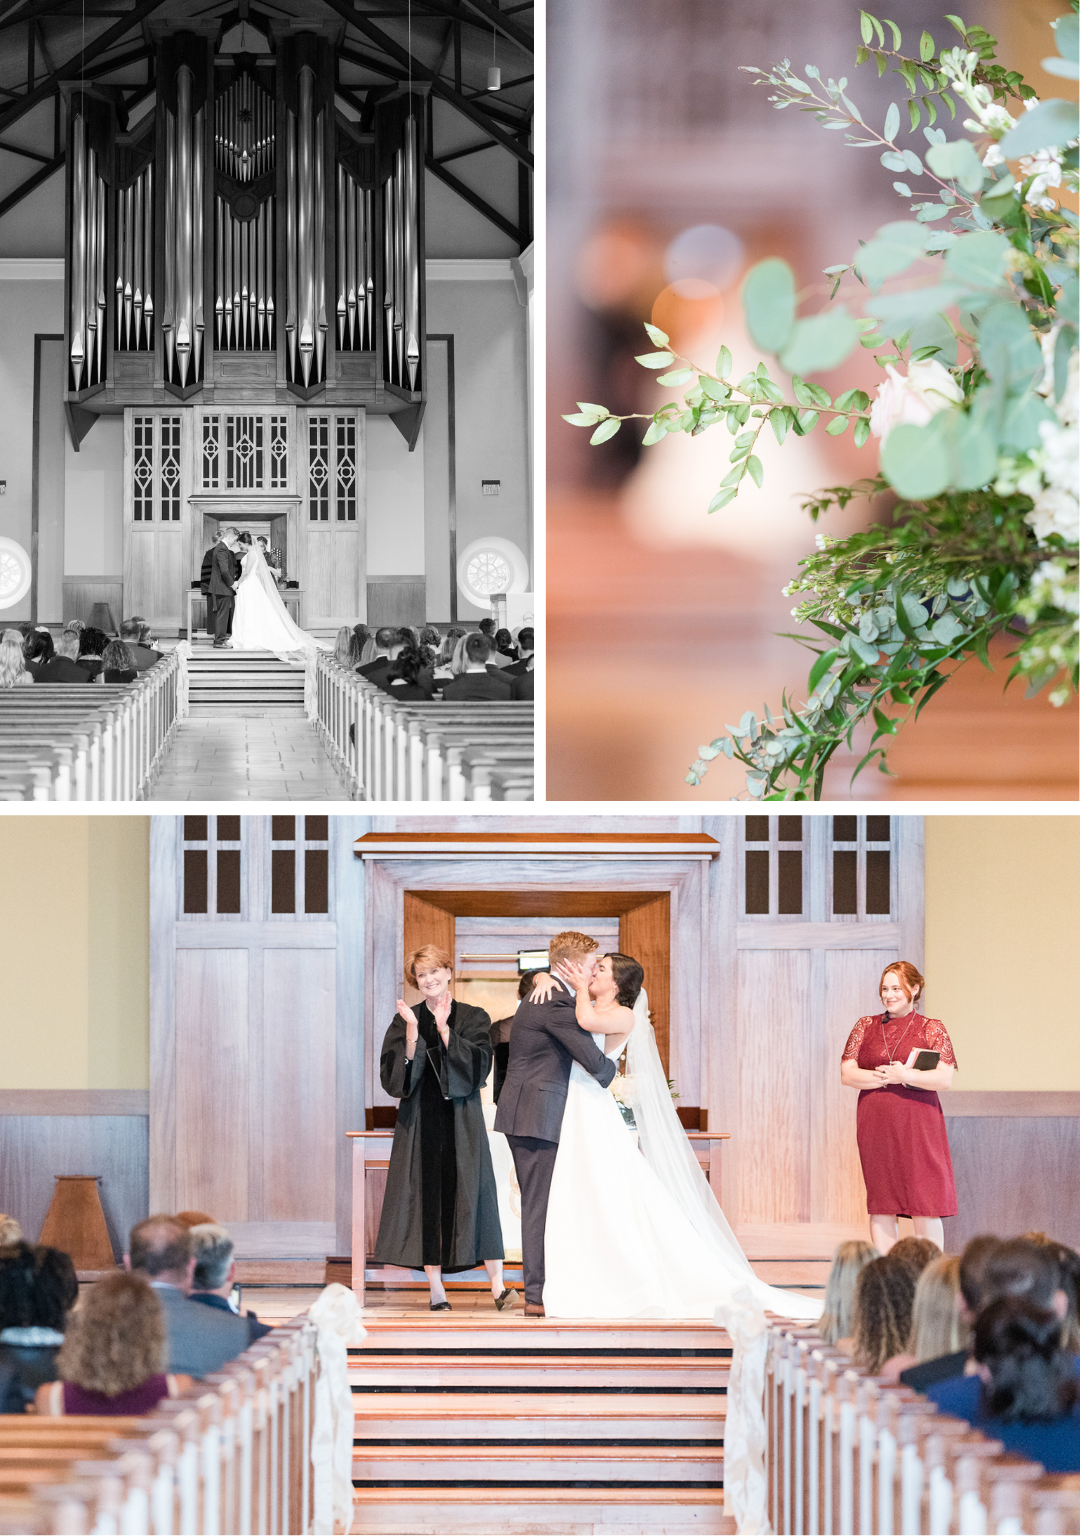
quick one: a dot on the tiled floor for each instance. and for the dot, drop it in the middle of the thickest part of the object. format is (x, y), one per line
(276, 759)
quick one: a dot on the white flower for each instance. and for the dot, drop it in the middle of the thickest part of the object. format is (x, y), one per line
(928, 388)
(622, 1089)
(1057, 503)
(1045, 166)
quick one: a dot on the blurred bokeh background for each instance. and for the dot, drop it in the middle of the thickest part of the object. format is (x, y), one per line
(669, 173)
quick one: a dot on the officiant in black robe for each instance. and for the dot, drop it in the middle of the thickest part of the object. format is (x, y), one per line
(441, 1206)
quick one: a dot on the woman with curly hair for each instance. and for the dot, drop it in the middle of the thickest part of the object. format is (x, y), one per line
(409, 678)
(117, 664)
(937, 1327)
(92, 643)
(13, 673)
(1030, 1396)
(112, 1360)
(884, 1297)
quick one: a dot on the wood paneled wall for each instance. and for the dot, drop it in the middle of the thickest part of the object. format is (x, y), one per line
(1017, 1165)
(82, 592)
(396, 600)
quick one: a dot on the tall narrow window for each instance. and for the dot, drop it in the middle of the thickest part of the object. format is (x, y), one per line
(773, 866)
(244, 453)
(346, 469)
(279, 453)
(211, 446)
(300, 865)
(213, 866)
(170, 469)
(319, 469)
(861, 866)
(142, 469)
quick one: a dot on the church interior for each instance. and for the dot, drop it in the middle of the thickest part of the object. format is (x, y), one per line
(212, 1045)
(267, 268)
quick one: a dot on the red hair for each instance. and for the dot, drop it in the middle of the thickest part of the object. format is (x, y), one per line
(428, 957)
(910, 979)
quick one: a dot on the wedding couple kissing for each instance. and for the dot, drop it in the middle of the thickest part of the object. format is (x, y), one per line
(612, 1225)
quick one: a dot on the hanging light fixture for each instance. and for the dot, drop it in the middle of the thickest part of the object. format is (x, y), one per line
(494, 73)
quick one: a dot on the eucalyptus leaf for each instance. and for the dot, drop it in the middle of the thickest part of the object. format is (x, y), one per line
(1047, 126)
(892, 122)
(836, 426)
(1009, 348)
(899, 312)
(768, 299)
(605, 430)
(722, 498)
(656, 432)
(757, 474)
(657, 335)
(915, 460)
(957, 161)
(723, 363)
(655, 359)
(820, 342)
(892, 250)
(676, 376)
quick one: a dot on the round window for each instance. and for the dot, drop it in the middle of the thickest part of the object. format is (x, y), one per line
(488, 566)
(15, 573)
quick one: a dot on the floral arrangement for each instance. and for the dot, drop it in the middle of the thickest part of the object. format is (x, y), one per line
(621, 1089)
(975, 420)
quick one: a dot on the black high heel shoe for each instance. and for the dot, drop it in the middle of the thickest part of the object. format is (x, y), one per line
(441, 1306)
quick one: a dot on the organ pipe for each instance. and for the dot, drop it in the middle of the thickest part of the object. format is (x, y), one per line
(87, 305)
(411, 274)
(78, 252)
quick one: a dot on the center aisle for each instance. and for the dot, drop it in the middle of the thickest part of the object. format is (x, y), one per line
(484, 1423)
(219, 758)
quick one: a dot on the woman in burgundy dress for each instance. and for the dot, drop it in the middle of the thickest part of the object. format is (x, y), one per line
(902, 1139)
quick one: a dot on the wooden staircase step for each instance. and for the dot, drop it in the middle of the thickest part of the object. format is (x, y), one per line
(440, 1416)
(541, 1374)
(538, 1511)
(514, 1331)
(531, 1463)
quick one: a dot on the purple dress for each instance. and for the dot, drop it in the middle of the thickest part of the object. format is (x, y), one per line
(130, 1404)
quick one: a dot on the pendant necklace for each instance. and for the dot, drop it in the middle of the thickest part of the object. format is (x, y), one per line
(900, 1042)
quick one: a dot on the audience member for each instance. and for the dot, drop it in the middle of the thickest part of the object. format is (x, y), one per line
(92, 643)
(200, 1339)
(501, 649)
(363, 635)
(10, 1231)
(884, 1294)
(430, 637)
(1069, 1268)
(524, 651)
(915, 1252)
(113, 1358)
(388, 646)
(13, 673)
(410, 677)
(523, 685)
(937, 1331)
(38, 1289)
(476, 682)
(1017, 1268)
(53, 662)
(445, 657)
(346, 653)
(972, 1283)
(195, 1219)
(143, 656)
(215, 1274)
(1028, 1389)
(487, 629)
(75, 625)
(117, 664)
(837, 1325)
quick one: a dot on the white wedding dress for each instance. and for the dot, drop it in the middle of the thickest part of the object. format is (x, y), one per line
(636, 1231)
(261, 622)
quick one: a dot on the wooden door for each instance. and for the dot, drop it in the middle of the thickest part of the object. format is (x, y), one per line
(255, 1026)
(332, 526)
(645, 933)
(157, 481)
(815, 909)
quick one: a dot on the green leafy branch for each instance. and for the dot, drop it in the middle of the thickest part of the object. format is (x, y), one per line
(924, 77)
(714, 397)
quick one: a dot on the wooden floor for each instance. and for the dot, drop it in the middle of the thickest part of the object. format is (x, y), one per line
(652, 651)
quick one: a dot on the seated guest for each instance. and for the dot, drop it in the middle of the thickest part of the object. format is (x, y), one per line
(75, 625)
(430, 637)
(884, 1294)
(915, 1252)
(363, 635)
(1068, 1261)
(837, 1325)
(92, 643)
(936, 1327)
(388, 646)
(525, 653)
(523, 685)
(215, 1274)
(200, 1339)
(1028, 1390)
(972, 1285)
(112, 1360)
(409, 678)
(38, 1289)
(10, 1231)
(501, 650)
(445, 657)
(13, 673)
(117, 664)
(142, 655)
(195, 1219)
(344, 647)
(476, 682)
(487, 629)
(53, 662)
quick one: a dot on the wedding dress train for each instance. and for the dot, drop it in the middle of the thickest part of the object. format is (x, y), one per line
(261, 622)
(630, 1231)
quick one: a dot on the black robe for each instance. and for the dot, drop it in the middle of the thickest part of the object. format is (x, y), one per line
(440, 1206)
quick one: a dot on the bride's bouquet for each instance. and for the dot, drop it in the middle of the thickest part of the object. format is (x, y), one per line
(621, 1089)
(975, 418)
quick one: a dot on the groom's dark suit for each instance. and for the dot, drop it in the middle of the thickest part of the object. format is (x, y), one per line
(545, 1042)
(224, 569)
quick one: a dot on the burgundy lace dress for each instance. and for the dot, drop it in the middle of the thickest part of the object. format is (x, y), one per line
(902, 1138)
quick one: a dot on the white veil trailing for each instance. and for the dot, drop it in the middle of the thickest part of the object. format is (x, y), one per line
(666, 1149)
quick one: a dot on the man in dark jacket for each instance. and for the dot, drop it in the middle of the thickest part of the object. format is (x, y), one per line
(199, 1339)
(215, 1274)
(144, 656)
(223, 572)
(546, 1041)
(47, 662)
(476, 682)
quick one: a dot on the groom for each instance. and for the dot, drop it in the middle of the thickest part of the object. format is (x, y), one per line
(545, 1042)
(224, 569)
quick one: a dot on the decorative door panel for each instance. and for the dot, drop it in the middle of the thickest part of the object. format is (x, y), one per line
(157, 457)
(255, 1026)
(333, 517)
(811, 909)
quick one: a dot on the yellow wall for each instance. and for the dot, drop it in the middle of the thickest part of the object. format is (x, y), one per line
(74, 920)
(1002, 899)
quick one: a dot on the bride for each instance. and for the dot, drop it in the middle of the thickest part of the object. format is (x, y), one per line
(633, 1228)
(261, 622)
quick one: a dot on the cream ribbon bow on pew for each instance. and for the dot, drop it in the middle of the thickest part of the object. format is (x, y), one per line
(744, 1423)
(337, 1317)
